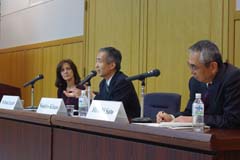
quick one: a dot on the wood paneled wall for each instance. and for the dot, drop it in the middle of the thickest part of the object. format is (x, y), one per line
(115, 23)
(21, 64)
(173, 26)
(237, 43)
(156, 34)
(149, 33)
(234, 34)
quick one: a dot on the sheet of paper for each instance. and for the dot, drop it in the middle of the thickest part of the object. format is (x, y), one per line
(172, 125)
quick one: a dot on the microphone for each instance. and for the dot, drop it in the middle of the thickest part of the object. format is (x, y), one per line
(152, 73)
(88, 78)
(40, 76)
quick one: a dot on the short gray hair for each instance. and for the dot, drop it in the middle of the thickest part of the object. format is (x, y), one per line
(113, 55)
(208, 51)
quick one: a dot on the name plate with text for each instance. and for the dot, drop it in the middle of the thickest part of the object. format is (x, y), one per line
(11, 103)
(112, 111)
(52, 106)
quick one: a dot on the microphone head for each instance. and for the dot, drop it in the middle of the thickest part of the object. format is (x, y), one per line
(93, 72)
(155, 72)
(40, 76)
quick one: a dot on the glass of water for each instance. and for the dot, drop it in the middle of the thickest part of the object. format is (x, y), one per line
(70, 109)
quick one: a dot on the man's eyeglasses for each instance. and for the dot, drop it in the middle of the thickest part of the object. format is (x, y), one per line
(193, 67)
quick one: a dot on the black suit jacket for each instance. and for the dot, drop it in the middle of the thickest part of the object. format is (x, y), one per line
(223, 105)
(120, 90)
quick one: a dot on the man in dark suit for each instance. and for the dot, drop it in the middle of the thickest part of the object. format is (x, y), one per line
(114, 85)
(219, 84)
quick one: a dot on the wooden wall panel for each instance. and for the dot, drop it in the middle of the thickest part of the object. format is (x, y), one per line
(237, 43)
(51, 56)
(234, 17)
(5, 70)
(16, 68)
(33, 67)
(114, 23)
(225, 30)
(75, 51)
(216, 20)
(171, 30)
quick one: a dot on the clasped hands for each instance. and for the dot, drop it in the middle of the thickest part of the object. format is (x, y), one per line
(165, 117)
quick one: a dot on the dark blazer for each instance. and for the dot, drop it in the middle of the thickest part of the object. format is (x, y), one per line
(222, 109)
(120, 90)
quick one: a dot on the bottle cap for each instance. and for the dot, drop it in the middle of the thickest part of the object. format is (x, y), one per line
(197, 95)
(83, 92)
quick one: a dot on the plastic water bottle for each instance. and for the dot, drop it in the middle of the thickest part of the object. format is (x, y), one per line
(83, 104)
(198, 113)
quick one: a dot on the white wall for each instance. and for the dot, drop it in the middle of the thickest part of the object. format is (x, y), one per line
(22, 23)
(10, 6)
(238, 5)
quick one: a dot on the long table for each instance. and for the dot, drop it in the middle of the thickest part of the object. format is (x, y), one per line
(89, 139)
(31, 136)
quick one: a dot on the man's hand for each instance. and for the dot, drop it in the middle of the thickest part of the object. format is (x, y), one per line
(74, 92)
(183, 119)
(163, 117)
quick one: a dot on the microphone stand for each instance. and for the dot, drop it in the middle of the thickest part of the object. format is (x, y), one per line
(142, 119)
(142, 97)
(32, 95)
(89, 92)
(32, 107)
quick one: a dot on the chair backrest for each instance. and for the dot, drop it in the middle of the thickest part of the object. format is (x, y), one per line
(155, 102)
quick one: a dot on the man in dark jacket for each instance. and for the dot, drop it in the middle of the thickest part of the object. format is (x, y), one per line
(219, 84)
(114, 85)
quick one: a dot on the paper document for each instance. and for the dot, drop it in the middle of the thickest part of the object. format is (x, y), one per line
(173, 125)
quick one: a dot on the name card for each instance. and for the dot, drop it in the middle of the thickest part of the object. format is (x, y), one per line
(112, 111)
(52, 106)
(11, 103)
